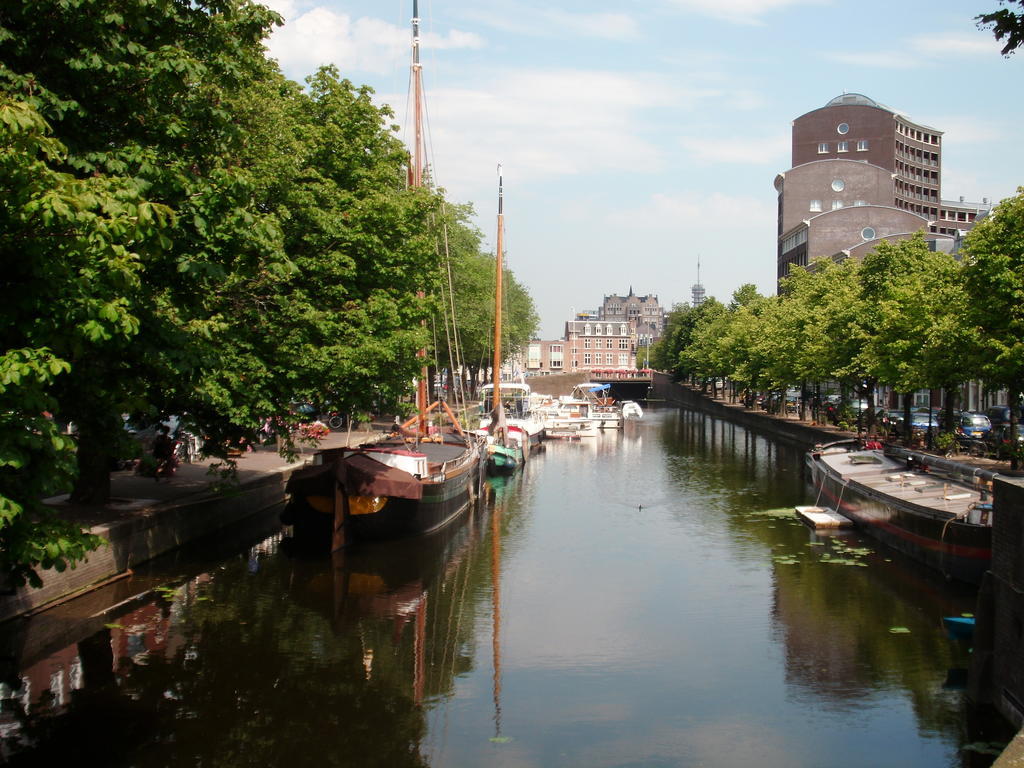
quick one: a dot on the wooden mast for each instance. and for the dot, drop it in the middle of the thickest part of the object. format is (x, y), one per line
(417, 181)
(498, 274)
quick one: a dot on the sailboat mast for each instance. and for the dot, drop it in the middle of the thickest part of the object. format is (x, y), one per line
(417, 85)
(417, 181)
(499, 270)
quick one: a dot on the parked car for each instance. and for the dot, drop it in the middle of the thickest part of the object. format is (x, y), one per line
(998, 439)
(973, 424)
(1000, 414)
(145, 434)
(919, 423)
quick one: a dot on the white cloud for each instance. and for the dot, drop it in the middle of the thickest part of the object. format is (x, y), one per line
(883, 60)
(544, 124)
(748, 150)
(747, 12)
(715, 212)
(322, 36)
(612, 26)
(550, 22)
(284, 7)
(959, 130)
(954, 45)
(920, 51)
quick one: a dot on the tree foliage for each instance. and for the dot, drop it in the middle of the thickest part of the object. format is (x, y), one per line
(994, 283)
(186, 231)
(898, 317)
(1005, 23)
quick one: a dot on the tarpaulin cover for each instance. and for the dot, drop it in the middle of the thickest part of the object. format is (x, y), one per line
(312, 481)
(362, 476)
(600, 388)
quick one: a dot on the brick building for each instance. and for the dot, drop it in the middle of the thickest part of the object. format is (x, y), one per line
(644, 314)
(863, 173)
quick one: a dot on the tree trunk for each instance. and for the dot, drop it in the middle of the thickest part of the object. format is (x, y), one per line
(93, 483)
(949, 424)
(1013, 400)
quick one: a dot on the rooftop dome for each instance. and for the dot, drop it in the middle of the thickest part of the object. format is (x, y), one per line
(856, 99)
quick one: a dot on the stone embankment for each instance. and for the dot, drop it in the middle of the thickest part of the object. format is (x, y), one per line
(146, 518)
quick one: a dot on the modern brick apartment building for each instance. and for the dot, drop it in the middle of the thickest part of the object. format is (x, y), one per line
(862, 173)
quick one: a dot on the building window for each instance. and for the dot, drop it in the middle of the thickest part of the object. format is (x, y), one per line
(622, 330)
(608, 329)
(609, 344)
(815, 205)
(860, 202)
(823, 148)
(597, 330)
(867, 233)
(586, 343)
(838, 185)
(843, 129)
(837, 204)
(609, 359)
(843, 146)
(862, 145)
(586, 358)
(623, 361)
(586, 329)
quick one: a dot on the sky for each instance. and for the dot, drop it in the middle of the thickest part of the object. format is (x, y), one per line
(637, 139)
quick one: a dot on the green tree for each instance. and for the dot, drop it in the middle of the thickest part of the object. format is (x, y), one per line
(994, 280)
(699, 359)
(288, 269)
(914, 328)
(72, 252)
(470, 308)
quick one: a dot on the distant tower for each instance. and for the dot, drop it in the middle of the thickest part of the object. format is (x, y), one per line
(697, 290)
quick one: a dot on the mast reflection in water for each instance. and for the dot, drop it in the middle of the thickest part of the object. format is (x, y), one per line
(640, 598)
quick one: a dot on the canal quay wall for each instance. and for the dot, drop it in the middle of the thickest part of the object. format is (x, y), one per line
(799, 433)
(997, 672)
(997, 664)
(147, 518)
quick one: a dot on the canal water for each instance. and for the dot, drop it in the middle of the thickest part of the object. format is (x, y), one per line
(644, 598)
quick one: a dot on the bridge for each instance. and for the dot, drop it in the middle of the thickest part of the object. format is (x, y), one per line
(625, 383)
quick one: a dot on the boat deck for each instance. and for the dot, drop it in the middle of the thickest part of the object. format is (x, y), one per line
(875, 471)
(435, 452)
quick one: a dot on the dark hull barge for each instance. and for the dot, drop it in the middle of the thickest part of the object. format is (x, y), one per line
(389, 490)
(939, 513)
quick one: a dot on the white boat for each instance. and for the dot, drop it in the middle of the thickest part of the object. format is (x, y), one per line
(603, 410)
(632, 410)
(572, 431)
(520, 415)
(565, 413)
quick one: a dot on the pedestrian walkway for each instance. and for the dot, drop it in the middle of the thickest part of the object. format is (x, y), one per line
(147, 517)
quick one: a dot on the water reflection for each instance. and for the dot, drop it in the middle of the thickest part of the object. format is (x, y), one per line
(641, 598)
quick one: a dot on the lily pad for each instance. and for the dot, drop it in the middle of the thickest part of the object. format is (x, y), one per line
(899, 631)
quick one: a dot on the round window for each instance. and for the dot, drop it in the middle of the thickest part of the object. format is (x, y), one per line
(843, 128)
(838, 185)
(867, 233)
